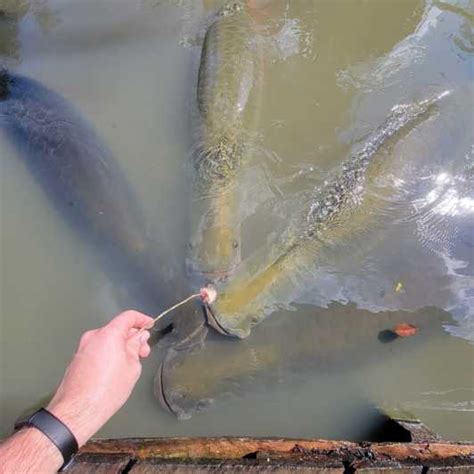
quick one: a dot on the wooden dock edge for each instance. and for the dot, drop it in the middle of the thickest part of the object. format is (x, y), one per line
(245, 454)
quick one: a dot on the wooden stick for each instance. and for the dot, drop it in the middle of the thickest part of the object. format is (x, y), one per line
(177, 305)
(208, 295)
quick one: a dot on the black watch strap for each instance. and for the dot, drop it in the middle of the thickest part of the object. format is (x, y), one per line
(60, 435)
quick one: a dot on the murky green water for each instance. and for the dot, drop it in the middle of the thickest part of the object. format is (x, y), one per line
(332, 72)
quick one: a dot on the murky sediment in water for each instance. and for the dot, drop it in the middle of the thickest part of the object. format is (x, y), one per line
(332, 71)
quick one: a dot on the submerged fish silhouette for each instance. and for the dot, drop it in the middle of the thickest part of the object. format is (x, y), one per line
(84, 183)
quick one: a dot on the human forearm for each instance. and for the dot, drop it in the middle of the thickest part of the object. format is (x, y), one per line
(98, 381)
(29, 450)
(78, 416)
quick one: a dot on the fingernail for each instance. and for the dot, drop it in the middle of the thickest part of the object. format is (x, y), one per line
(144, 337)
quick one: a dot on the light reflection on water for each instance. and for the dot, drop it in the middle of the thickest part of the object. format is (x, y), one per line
(333, 70)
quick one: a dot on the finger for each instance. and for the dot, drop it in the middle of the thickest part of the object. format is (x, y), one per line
(145, 350)
(85, 338)
(128, 320)
(131, 332)
(135, 342)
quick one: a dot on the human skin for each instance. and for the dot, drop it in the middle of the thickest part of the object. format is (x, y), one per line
(97, 383)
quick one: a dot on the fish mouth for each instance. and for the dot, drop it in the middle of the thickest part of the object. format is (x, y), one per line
(219, 275)
(177, 403)
(172, 400)
(159, 392)
(165, 401)
(214, 321)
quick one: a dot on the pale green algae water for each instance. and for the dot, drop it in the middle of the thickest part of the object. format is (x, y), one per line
(333, 70)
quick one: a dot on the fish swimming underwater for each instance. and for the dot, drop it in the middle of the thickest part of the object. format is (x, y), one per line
(304, 342)
(84, 183)
(340, 336)
(228, 92)
(398, 201)
(346, 205)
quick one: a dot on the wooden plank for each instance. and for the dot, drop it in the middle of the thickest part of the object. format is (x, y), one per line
(390, 470)
(110, 464)
(451, 470)
(227, 448)
(204, 448)
(149, 467)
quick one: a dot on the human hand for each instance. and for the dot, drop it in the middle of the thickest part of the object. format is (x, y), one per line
(102, 374)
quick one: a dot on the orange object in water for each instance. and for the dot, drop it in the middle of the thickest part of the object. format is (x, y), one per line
(405, 330)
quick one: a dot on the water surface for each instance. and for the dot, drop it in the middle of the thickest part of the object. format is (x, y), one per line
(333, 70)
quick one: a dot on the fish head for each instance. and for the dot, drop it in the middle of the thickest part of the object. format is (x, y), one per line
(214, 248)
(293, 344)
(188, 334)
(190, 379)
(177, 391)
(215, 255)
(248, 298)
(235, 325)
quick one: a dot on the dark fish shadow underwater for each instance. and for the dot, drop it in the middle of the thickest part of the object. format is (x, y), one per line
(293, 346)
(85, 184)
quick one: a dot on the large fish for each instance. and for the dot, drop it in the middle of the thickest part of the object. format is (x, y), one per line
(353, 202)
(227, 98)
(84, 182)
(300, 343)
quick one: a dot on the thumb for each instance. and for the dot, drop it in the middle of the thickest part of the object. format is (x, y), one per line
(136, 341)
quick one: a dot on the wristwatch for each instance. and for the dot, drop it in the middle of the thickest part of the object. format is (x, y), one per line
(59, 434)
